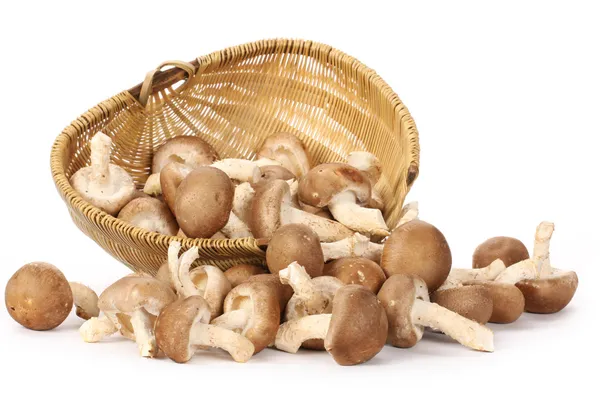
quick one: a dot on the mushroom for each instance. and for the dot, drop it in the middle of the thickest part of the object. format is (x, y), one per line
(131, 306)
(190, 150)
(203, 202)
(150, 214)
(284, 292)
(85, 301)
(459, 275)
(406, 302)
(272, 208)
(369, 165)
(104, 185)
(171, 177)
(287, 150)
(356, 271)
(295, 242)
(184, 326)
(311, 296)
(240, 273)
(242, 201)
(472, 302)
(272, 172)
(344, 189)
(354, 332)
(252, 310)
(418, 248)
(508, 249)
(206, 281)
(508, 301)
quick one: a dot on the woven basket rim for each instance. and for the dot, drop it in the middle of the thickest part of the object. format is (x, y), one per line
(107, 107)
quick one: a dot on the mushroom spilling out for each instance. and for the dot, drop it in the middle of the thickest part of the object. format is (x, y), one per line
(356, 271)
(183, 327)
(406, 302)
(345, 190)
(507, 300)
(286, 150)
(472, 302)
(295, 242)
(85, 301)
(104, 185)
(507, 249)
(354, 332)
(150, 214)
(238, 274)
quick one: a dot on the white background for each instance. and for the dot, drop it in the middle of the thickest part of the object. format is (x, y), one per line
(506, 100)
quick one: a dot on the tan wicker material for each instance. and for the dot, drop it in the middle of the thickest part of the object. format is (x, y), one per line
(234, 100)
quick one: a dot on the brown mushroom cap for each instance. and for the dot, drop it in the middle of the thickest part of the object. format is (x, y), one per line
(203, 202)
(266, 208)
(164, 275)
(38, 296)
(358, 327)
(418, 248)
(240, 273)
(356, 271)
(324, 181)
(173, 327)
(508, 249)
(194, 151)
(171, 177)
(508, 301)
(549, 295)
(288, 150)
(150, 214)
(284, 292)
(473, 302)
(271, 172)
(295, 242)
(397, 295)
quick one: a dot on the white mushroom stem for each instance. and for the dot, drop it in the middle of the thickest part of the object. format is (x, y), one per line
(525, 269)
(235, 320)
(356, 245)
(235, 228)
(242, 201)
(85, 301)
(143, 330)
(292, 334)
(410, 211)
(465, 331)
(296, 276)
(459, 275)
(100, 148)
(94, 329)
(343, 207)
(327, 230)
(541, 248)
(205, 335)
(239, 169)
(263, 162)
(180, 269)
(152, 186)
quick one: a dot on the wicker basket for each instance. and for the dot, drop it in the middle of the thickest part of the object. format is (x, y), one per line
(234, 99)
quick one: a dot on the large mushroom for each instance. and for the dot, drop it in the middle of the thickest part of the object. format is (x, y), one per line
(150, 214)
(295, 242)
(287, 150)
(104, 185)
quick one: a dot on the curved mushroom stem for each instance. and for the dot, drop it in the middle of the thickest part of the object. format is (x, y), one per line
(235, 320)
(85, 301)
(292, 334)
(541, 249)
(152, 186)
(242, 201)
(96, 328)
(459, 275)
(525, 269)
(100, 148)
(239, 169)
(327, 230)
(235, 228)
(356, 245)
(143, 330)
(343, 207)
(212, 284)
(296, 276)
(410, 211)
(465, 331)
(180, 269)
(205, 335)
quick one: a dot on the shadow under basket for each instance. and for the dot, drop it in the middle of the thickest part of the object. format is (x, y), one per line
(234, 99)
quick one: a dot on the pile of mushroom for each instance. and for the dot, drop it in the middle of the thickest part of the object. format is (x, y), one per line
(336, 277)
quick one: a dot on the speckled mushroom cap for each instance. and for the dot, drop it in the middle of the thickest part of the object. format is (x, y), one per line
(397, 295)
(171, 177)
(174, 325)
(356, 271)
(288, 150)
(194, 151)
(284, 292)
(203, 202)
(472, 302)
(38, 296)
(266, 208)
(508, 249)
(150, 214)
(271, 172)
(134, 292)
(240, 273)
(261, 300)
(295, 242)
(358, 327)
(324, 181)
(508, 301)
(418, 248)
(549, 294)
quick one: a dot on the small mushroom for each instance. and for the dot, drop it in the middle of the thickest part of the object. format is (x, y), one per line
(369, 165)
(344, 189)
(406, 302)
(472, 302)
(131, 306)
(507, 249)
(418, 248)
(252, 310)
(288, 151)
(85, 301)
(508, 301)
(356, 271)
(295, 242)
(191, 150)
(183, 326)
(272, 172)
(284, 292)
(104, 185)
(203, 202)
(171, 177)
(150, 214)
(238, 274)
(272, 208)
(459, 275)
(354, 332)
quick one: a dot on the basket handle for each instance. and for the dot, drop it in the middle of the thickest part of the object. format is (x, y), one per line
(146, 88)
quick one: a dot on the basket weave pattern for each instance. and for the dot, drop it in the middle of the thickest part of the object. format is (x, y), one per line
(235, 99)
